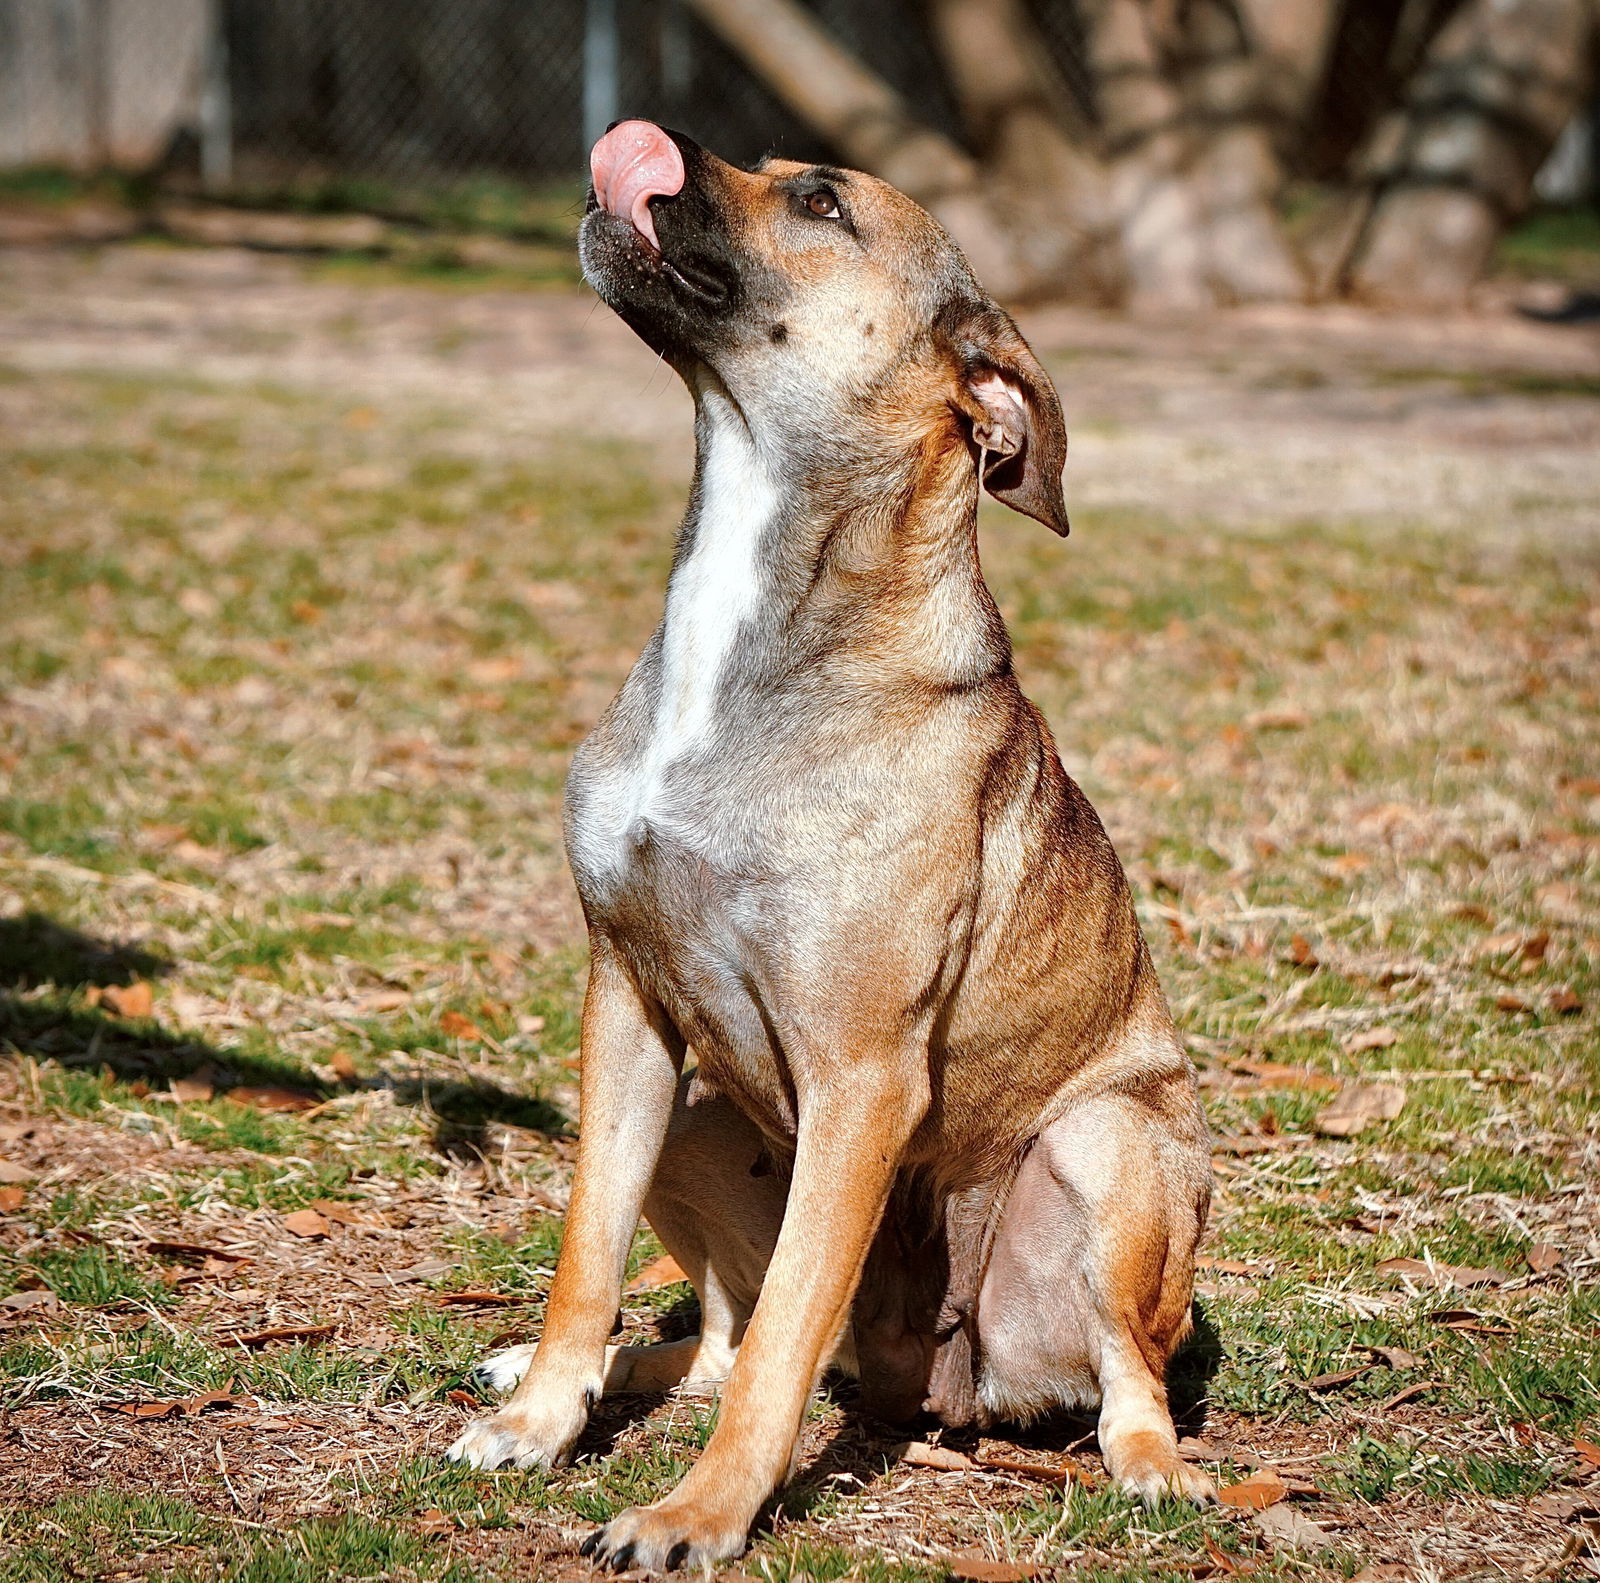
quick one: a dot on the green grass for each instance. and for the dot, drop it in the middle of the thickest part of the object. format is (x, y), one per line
(287, 689)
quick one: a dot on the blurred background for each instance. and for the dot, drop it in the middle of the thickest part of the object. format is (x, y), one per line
(1170, 153)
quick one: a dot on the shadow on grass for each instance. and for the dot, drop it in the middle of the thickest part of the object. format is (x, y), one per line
(37, 954)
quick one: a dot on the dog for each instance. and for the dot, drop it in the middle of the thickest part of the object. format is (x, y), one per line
(939, 1128)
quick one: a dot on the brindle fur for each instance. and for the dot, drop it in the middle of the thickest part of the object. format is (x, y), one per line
(838, 859)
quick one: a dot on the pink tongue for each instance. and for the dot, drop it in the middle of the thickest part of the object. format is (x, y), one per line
(634, 162)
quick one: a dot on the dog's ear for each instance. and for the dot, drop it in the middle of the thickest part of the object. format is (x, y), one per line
(1014, 412)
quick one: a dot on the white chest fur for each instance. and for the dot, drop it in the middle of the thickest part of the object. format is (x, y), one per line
(715, 590)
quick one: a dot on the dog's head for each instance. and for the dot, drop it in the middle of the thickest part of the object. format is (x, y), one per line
(823, 301)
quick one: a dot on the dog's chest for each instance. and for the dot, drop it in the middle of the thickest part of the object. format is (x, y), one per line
(648, 782)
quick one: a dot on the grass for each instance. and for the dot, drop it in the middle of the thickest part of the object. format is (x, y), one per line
(289, 686)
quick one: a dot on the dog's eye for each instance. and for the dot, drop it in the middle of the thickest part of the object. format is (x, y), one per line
(824, 204)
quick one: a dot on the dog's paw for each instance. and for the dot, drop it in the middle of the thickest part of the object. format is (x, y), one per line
(522, 1435)
(664, 1537)
(1163, 1476)
(503, 1371)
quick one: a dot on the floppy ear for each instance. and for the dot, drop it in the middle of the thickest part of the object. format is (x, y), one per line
(1015, 415)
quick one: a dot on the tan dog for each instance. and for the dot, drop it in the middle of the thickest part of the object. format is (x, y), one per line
(939, 1126)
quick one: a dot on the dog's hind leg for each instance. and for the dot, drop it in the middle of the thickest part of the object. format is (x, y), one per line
(717, 1204)
(1088, 1287)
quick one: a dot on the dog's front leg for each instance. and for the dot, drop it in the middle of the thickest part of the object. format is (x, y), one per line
(850, 1139)
(630, 1071)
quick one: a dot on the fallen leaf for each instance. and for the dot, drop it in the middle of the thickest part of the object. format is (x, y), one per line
(272, 1098)
(477, 1299)
(260, 1338)
(1444, 1277)
(343, 1066)
(426, 1271)
(919, 1454)
(1589, 1453)
(386, 1000)
(1396, 1357)
(12, 1199)
(1227, 1565)
(1471, 912)
(18, 1301)
(1564, 1002)
(1357, 1105)
(306, 1223)
(193, 1253)
(1384, 1572)
(1288, 1530)
(198, 1404)
(1300, 952)
(665, 1271)
(1407, 1394)
(346, 1213)
(150, 1409)
(462, 1398)
(1273, 1074)
(434, 1521)
(1529, 947)
(1564, 1504)
(1277, 720)
(1468, 1322)
(14, 1174)
(1327, 1382)
(1370, 1039)
(1193, 1449)
(1543, 1257)
(1263, 1488)
(1510, 1002)
(191, 1090)
(1030, 1470)
(129, 1000)
(974, 1565)
(459, 1027)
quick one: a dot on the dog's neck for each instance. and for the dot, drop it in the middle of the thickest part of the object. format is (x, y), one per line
(860, 557)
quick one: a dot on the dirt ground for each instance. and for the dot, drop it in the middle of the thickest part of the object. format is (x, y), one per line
(309, 579)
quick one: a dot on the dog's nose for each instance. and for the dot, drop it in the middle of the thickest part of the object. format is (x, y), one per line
(634, 162)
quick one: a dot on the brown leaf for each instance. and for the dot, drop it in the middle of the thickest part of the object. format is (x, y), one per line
(1589, 1452)
(1273, 1074)
(1357, 1105)
(306, 1223)
(1471, 912)
(1263, 1488)
(1444, 1276)
(12, 1199)
(665, 1271)
(1384, 1572)
(150, 1409)
(462, 1398)
(15, 1174)
(974, 1565)
(1225, 1564)
(260, 1338)
(344, 1066)
(128, 1000)
(434, 1521)
(1030, 1470)
(1407, 1394)
(1510, 1002)
(1469, 1323)
(1300, 952)
(1326, 1382)
(459, 1027)
(1528, 947)
(1564, 1505)
(273, 1098)
(1563, 1002)
(1396, 1357)
(1193, 1449)
(1288, 1530)
(1277, 720)
(191, 1090)
(198, 1404)
(919, 1454)
(1543, 1257)
(18, 1301)
(193, 1253)
(1370, 1039)
(476, 1299)
(347, 1214)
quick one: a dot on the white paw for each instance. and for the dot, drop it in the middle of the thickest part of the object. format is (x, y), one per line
(503, 1372)
(665, 1537)
(533, 1434)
